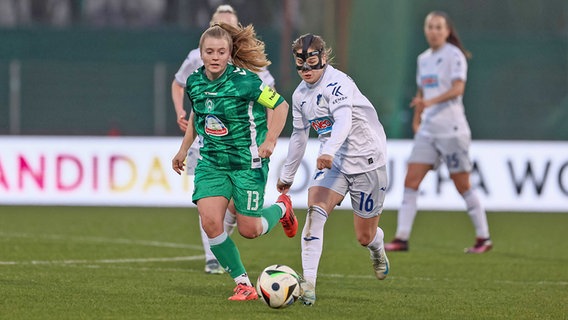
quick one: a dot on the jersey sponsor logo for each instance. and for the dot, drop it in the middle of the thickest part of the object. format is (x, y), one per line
(338, 100)
(322, 125)
(331, 84)
(336, 91)
(207, 93)
(215, 127)
(429, 81)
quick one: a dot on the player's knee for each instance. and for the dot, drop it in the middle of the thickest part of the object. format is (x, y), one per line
(364, 239)
(413, 184)
(461, 183)
(249, 232)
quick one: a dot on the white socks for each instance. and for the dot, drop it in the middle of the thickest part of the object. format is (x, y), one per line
(230, 222)
(476, 213)
(312, 242)
(377, 243)
(244, 279)
(406, 214)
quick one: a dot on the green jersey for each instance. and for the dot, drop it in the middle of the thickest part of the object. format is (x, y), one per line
(230, 115)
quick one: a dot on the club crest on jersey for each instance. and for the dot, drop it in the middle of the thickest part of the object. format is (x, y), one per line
(214, 126)
(209, 104)
(322, 125)
(318, 98)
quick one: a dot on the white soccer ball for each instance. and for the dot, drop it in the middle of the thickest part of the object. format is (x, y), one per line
(278, 286)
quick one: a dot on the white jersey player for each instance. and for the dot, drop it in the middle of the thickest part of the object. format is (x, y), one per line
(442, 132)
(226, 14)
(351, 159)
(436, 72)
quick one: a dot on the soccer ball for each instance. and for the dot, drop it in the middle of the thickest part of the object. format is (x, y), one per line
(278, 286)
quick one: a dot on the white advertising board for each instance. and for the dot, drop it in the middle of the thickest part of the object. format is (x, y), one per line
(136, 171)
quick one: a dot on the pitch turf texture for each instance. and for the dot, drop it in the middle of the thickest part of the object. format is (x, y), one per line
(147, 263)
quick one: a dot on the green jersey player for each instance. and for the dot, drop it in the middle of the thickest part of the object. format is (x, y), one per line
(229, 104)
(230, 113)
(227, 14)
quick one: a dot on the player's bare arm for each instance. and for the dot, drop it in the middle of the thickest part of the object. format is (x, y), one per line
(178, 162)
(177, 97)
(277, 124)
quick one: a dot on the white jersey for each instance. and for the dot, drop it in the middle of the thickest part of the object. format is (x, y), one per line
(436, 71)
(193, 61)
(347, 124)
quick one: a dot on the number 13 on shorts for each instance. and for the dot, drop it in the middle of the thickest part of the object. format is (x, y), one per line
(253, 199)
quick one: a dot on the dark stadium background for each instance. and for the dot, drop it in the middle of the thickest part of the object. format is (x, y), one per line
(100, 67)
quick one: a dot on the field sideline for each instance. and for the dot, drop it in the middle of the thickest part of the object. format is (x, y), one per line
(147, 263)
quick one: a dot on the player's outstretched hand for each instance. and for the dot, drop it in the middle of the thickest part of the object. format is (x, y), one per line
(178, 162)
(324, 162)
(182, 122)
(266, 148)
(283, 187)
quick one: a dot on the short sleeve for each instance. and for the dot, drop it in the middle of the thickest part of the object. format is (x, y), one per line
(458, 66)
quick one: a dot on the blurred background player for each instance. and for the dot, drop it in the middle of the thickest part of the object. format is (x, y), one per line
(224, 13)
(351, 159)
(228, 104)
(441, 130)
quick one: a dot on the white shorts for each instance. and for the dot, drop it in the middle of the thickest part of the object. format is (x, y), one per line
(454, 151)
(367, 190)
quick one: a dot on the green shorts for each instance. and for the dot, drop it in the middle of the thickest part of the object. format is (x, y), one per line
(246, 186)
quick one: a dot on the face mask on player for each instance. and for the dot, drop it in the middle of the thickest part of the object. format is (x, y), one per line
(307, 61)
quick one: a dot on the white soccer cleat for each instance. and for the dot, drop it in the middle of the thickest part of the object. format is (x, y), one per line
(380, 264)
(308, 293)
(213, 267)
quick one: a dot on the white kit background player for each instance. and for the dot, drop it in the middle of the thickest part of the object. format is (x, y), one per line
(351, 161)
(226, 14)
(442, 131)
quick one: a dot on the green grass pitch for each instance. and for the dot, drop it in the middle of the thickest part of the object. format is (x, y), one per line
(147, 263)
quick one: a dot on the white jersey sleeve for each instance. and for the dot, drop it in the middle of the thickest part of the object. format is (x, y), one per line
(340, 99)
(267, 78)
(297, 144)
(191, 63)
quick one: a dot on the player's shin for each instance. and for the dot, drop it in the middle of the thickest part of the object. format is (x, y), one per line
(312, 242)
(228, 255)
